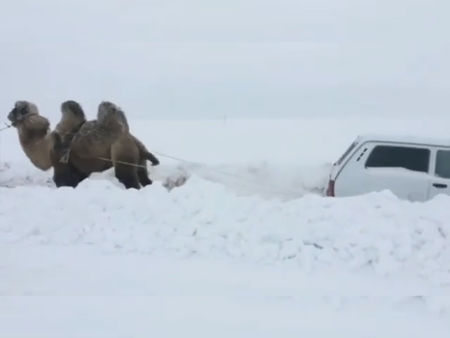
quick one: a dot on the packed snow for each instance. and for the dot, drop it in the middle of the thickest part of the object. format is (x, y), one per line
(247, 246)
(202, 218)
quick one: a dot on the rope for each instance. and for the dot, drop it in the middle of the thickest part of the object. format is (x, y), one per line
(7, 126)
(236, 176)
(123, 162)
(204, 166)
(192, 164)
(195, 164)
(2, 129)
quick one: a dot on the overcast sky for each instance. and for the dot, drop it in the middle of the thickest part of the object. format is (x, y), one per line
(235, 58)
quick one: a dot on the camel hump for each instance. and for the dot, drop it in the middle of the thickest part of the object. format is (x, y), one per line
(74, 108)
(72, 117)
(112, 117)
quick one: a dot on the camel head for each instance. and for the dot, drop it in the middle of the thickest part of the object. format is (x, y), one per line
(21, 110)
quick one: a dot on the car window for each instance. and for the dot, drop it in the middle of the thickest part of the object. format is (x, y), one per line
(411, 158)
(443, 164)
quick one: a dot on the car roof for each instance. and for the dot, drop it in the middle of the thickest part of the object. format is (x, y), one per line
(411, 139)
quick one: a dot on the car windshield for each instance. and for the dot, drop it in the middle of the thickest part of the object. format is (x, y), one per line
(347, 152)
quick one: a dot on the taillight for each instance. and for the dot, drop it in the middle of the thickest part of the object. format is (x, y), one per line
(330, 189)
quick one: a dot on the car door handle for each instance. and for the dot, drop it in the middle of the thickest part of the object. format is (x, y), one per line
(439, 185)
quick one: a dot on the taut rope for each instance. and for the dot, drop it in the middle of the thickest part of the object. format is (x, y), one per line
(7, 126)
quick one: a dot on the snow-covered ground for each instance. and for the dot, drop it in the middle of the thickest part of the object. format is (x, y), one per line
(248, 246)
(79, 291)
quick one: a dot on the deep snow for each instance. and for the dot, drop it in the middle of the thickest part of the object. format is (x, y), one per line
(376, 231)
(247, 246)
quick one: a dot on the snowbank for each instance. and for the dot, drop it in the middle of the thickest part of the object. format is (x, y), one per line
(376, 231)
(248, 234)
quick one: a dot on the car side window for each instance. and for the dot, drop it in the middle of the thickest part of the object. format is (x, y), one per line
(443, 163)
(411, 158)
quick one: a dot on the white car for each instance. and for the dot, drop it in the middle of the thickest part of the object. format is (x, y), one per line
(412, 168)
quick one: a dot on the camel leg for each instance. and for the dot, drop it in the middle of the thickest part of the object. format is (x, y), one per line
(65, 175)
(142, 173)
(127, 175)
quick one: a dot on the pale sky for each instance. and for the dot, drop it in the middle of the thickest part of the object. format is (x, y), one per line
(235, 58)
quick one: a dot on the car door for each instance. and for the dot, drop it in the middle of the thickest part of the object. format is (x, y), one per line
(402, 169)
(440, 183)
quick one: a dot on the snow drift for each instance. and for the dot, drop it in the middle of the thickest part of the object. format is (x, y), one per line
(376, 231)
(252, 201)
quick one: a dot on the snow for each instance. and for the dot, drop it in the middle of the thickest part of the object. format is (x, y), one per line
(81, 292)
(247, 246)
(203, 218)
